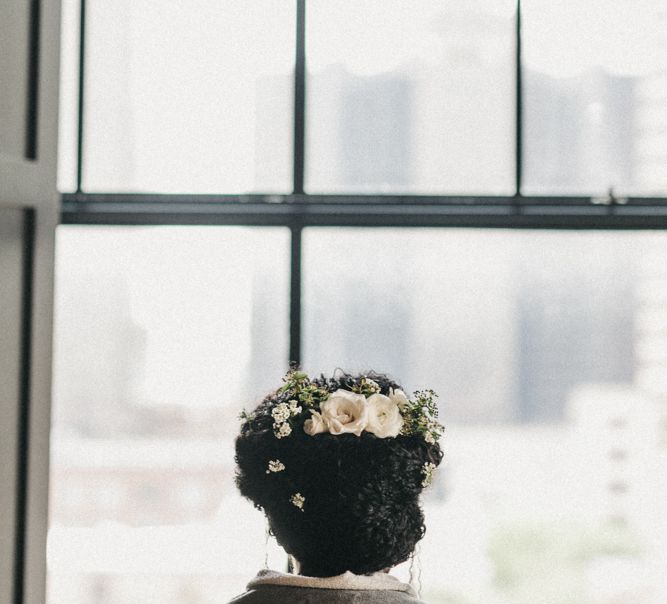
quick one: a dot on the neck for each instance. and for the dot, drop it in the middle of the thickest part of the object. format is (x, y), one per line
(305, 571)
(308, 571)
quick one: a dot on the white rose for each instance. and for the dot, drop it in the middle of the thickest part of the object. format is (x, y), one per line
(384, 416)
(315, 424)
(345, 411)
(398, 397)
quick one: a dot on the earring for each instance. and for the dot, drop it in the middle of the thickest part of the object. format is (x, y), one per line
(416, 571)
(267, 536)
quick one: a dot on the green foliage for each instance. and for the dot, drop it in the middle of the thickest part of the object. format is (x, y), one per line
(420, 416)
(366, 386)
(297, 385)
(244, 416)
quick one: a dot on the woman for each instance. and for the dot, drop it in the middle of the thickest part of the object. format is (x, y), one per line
(337, 465)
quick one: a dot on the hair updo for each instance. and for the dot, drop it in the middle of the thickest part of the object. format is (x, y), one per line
(360, 510)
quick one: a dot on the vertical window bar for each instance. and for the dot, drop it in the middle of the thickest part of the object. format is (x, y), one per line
(22, 454)
(82, 58)
(33, 81)
(518, 159)
(298, 176)
(299, 97)
(295, 295)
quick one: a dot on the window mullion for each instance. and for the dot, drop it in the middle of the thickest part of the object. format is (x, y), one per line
(299, 97)
(82, 59)
(295, 295)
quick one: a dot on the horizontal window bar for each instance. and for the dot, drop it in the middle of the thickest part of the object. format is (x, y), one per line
(314, 199)
(319, 210)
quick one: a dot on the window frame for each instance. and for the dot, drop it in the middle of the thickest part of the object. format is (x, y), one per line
(299, 209)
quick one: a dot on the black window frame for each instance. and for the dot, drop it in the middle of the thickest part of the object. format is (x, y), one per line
(299, 209)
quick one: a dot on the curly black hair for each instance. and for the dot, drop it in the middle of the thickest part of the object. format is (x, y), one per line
(361, 511)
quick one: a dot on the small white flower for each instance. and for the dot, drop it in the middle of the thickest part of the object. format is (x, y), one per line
(315, 425)
(427, 473)
(294, 407)
(370, 384)
(280, 412)
(429, 438)
(345, 411)
(275, 465)
(281, 430)
(384, 416)
(298, 500)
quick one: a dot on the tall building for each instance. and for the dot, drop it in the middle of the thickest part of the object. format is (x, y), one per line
(579, 133)
(650, 149)
(575, 319)
(267, 333)
(464, 340)
(359, 132)
(95, 376)
(463, 106)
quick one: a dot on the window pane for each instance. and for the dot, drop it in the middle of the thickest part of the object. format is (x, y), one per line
(189, 96)
(549, 352)
(69, 95)
(595, 97)
(161, 336)
(410, 97)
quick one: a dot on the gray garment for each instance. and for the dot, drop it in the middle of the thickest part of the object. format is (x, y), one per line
(282, 594)
(273, 587)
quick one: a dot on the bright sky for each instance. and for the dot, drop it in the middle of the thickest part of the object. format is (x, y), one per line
(191, 292)
(173, 87)
(561, 38)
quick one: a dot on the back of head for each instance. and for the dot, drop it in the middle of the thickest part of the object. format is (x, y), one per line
(338, 464)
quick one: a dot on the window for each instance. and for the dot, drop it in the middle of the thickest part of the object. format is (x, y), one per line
(535, 342)
(422, 102)
(596, 97)
(163, 334)
(180, 98)
(290, 182)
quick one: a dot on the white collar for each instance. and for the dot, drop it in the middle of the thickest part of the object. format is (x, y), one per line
(347, 580)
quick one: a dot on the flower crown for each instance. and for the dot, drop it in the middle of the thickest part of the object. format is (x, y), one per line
(306, 405)
(301, 403)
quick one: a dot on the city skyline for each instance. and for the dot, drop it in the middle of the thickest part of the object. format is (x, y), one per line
(548, 349)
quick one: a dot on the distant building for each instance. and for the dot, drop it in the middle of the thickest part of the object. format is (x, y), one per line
(650, 145)
(575, 309)
(139, 482)
(579, 133)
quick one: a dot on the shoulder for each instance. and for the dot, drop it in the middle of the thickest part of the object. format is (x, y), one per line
(278, 594)
(248, 597)
(280, 588)
(282, 594)
(259, 595)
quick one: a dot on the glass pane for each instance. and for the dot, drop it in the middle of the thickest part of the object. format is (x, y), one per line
(549, 352)
(189, 97)
(410, 97)
(68, 112)
(595, 97)
(161, 336)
